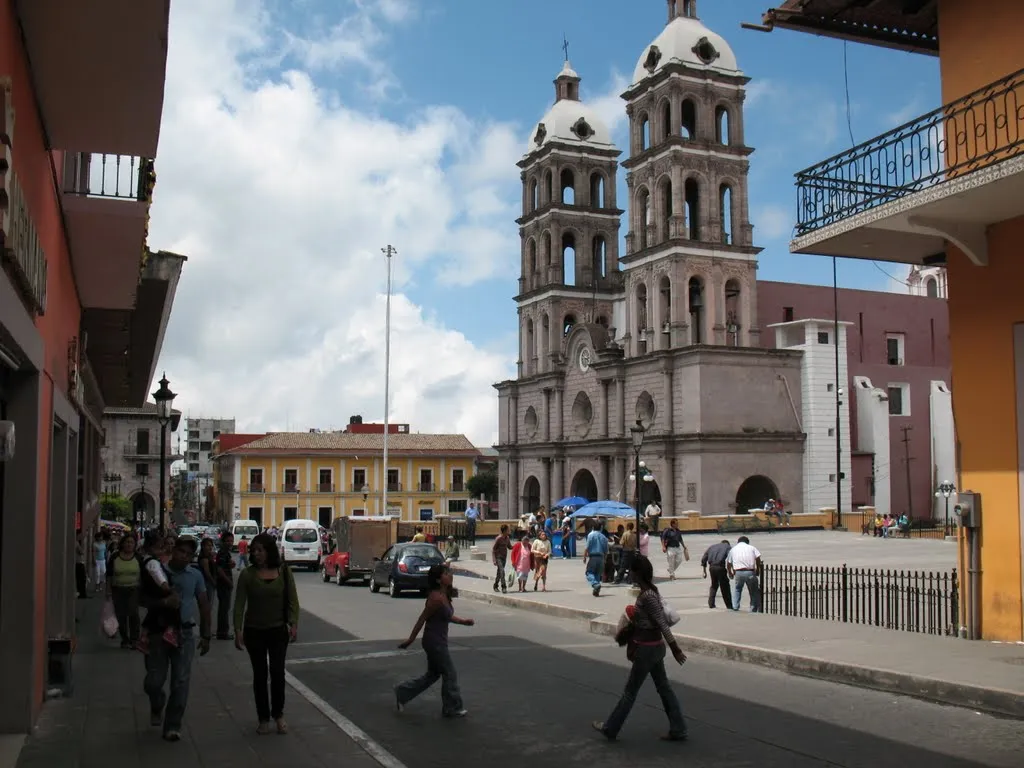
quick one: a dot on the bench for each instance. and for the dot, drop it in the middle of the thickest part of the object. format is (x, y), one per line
(744, 523)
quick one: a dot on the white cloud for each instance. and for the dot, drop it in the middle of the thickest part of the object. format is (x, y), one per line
(772, 222)
(281, 196)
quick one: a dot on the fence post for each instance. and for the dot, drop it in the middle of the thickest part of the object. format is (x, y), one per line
(846, 593)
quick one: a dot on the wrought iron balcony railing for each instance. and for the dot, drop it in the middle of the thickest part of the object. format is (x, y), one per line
(121, 177)
(981, 129)
(289, 488)
(325, 488)
(256, 488)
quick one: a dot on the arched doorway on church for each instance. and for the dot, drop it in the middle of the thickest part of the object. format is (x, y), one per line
(754, 492)
(649, 491)
(584, 484)
(531, 494)
(143, 507)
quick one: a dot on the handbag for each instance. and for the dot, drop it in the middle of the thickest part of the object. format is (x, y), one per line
(671, 614)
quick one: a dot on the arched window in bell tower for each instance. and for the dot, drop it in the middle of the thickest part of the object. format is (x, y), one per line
(567, 324)
(666, 120)
(725, 205)
(600, 257)
(569, 258)
(689, 120)
(545, 255)
(665, 304)
(665, 203)
(549, 188)
(643, 217)
(531, 349)
(931, 288)
(723, 127)
(692, 192)
(534, 195)
(732, 312)
(645, 133)
(695, 295)
(597, 190)
(568, 185)
(531, 264)
(641, 317)
(545, 338)
(689, 8)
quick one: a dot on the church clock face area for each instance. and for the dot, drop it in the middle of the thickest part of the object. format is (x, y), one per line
(585, 359)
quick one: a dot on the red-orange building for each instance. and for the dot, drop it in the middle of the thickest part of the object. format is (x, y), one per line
(83, 304)
(947, 188)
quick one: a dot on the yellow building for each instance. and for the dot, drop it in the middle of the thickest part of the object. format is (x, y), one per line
(321, 476)
(947, 189)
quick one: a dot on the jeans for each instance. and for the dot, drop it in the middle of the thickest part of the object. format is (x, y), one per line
(264, 644)
(126, 608)
(471, 531)
(223, 609)
(242, 561)
(647, 660)
(719, 582)
(161, 658)
(499, 577)
(566, 554)
(439, 665)
(749, 580)
(595, 570)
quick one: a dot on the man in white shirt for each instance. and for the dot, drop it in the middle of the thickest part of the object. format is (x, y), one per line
(653, 515)
(744, 563)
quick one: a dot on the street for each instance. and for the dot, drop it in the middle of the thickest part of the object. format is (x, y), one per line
(533, 685)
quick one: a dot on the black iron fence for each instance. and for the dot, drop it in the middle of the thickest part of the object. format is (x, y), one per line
(909, 601)
(456, 527)
(980, 129)
(122, 177)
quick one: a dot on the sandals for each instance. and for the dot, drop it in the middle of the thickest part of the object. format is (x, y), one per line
(282, 726)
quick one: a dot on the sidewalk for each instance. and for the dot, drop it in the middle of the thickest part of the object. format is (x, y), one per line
(106, 720)
(980, 675)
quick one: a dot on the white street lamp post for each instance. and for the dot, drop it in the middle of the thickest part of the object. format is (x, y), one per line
(388, 253)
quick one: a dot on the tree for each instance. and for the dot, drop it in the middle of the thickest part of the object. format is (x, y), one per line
(484, 484)
(114, 506)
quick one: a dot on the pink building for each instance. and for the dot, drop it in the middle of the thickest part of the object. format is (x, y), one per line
(897, 344)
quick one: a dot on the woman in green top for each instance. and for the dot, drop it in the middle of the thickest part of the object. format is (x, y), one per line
(123, 578)
(266, 620)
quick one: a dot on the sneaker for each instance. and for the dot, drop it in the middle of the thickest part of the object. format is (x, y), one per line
(457, 713)
(282, 726)
(172, 736)
(597, 591)
(263, 729)
(598, 726)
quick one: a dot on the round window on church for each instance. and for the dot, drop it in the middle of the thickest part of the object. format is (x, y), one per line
(705, 51)
(530, 421)
(645, 410)
(582, 413)
(582, 129)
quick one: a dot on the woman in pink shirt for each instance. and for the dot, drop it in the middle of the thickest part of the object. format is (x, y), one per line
(522, 561)
(645, 539)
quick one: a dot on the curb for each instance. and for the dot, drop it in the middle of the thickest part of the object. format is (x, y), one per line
(993, 701)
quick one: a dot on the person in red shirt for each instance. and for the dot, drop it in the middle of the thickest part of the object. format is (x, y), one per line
(243, 553)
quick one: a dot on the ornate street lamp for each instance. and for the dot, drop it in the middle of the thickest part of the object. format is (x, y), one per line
(163, 397)
(946, 489)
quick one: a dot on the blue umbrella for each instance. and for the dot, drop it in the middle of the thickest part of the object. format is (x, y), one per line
(572, 501)
(605, 509)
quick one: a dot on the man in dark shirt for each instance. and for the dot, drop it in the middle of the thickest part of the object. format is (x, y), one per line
(224, 565)
(673, 547)
(499, 556)
(714, 560)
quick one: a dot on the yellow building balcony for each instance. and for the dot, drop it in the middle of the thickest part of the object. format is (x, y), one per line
(944, 177)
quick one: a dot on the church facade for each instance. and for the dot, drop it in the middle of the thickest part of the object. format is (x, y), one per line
(665, 335)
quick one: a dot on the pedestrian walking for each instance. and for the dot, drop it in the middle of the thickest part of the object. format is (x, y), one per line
(437, 614)
(224, 566)
(628, 541)
(80, 570)
(472, 515)
(243, 554)
(650, 635)
(205, 563)
(499, 556)
(522, 561)
(673, 547)
(124, 572)
(714, 560)
(266, 619)
(541, 551)
(744, 564)
(595, 552)
(188, 600)
(99, 554)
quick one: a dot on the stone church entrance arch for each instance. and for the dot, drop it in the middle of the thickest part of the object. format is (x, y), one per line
(754, 492)
(649, 491)
(531, 495)
(584, 484)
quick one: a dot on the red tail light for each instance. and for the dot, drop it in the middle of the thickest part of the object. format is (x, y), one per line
(403, 567)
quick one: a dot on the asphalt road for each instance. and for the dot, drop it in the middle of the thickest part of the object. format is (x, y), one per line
(533, 685)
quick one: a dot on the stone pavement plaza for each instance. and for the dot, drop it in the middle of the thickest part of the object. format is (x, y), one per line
(985, 675)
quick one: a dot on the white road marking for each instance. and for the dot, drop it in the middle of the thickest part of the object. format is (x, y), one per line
(352, 657)
(453, 648)
(353, 731)
(329, 642)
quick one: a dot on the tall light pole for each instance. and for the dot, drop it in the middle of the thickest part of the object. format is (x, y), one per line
(839, 395)
(388, 252)
(163, 397)
(946, 489)
(640, 475)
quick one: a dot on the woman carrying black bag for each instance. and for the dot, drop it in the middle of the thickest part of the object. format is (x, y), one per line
(646, 636)
(266, 620)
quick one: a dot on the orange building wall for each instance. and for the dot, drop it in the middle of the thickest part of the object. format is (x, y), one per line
(31, 162)
(980, 43)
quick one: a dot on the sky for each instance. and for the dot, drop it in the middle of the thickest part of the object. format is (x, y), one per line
(300, 137)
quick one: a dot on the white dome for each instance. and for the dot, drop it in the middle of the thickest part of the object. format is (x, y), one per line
(676, 44)
(570, 122)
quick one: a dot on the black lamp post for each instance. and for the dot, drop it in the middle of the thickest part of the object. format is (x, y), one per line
(946, 489)
(163, 397)
(637, 433)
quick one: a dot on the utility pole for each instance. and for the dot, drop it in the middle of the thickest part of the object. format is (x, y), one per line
(906, 460)
(388, 252)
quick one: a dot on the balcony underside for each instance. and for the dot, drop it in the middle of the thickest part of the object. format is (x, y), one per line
(99, 68)
(915, 228)
(107, 239)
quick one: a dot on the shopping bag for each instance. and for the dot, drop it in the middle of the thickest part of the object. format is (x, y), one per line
(625, 629)
(671, 614)
(108, 619)
(686, 553)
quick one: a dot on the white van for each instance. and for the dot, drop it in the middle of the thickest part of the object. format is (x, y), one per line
(239, 528)
(300, 543)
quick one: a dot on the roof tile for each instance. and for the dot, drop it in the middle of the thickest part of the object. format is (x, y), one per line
(342, 442)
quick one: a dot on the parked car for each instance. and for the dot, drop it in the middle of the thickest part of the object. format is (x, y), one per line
(300, 544)
(404, 567)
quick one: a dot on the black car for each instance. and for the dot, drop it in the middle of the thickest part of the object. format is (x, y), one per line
(404, 567)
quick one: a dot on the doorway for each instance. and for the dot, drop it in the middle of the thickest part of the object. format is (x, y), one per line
(324, 515)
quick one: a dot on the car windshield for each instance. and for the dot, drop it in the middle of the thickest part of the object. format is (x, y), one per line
(301, 536)
(423, 552)
(246, 530)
